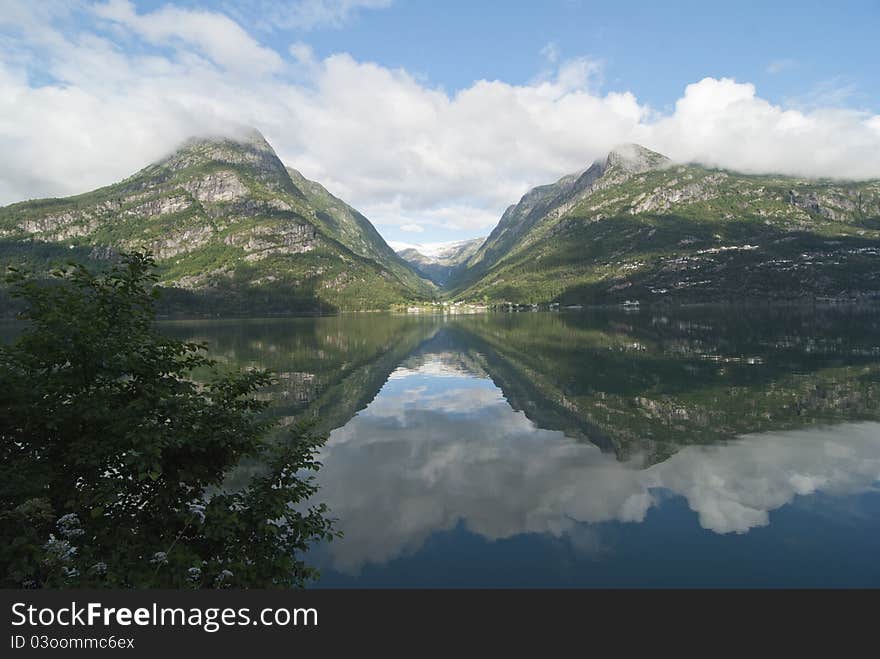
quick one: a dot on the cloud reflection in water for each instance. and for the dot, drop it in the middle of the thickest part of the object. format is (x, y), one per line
(439, 447)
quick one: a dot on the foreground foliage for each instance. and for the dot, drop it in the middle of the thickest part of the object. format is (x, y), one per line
(113, 458)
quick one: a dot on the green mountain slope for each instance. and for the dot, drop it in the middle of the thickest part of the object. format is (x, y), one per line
(638, 227)
(230, 229)
(355, 231)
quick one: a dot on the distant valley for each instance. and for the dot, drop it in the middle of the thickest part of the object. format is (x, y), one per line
(439, 265)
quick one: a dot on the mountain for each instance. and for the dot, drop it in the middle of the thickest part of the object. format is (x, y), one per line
(439, 265)
(354, 230)
(232, 229)
(636, 226)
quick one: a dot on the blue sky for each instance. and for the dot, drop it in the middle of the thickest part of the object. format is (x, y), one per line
(433, 117)
(791, 50)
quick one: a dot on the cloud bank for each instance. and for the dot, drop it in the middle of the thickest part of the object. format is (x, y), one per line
(91, 94)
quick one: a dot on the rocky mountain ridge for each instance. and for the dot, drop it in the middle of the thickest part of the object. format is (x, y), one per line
(555, 199)
(228, 223)
(638, 227)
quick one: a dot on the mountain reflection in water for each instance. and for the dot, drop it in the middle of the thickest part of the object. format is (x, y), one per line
(587, 449)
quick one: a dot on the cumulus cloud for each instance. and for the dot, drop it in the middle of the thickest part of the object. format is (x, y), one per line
(83, 104)
(215, 35)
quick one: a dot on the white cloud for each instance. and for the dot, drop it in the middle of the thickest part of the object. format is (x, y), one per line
(404, 152)
(724, 123)
(302, 53)
(452, 215)
(215, 35)
(411, 228)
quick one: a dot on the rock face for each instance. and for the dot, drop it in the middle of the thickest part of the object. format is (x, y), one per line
(636, 226)
(225, 217)
(635, 159)
(223, 186)
(441, 264)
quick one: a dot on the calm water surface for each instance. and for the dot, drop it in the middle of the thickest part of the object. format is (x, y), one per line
(687, 448)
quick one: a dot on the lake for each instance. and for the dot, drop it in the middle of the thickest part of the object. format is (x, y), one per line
(636, 448)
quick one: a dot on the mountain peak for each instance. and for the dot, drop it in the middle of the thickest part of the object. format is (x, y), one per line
(244, 148)
(635, 158)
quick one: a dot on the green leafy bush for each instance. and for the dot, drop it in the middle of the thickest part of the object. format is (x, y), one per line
(113, 457)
